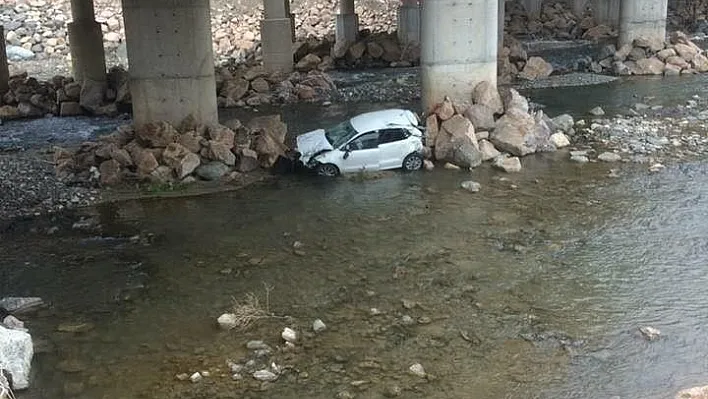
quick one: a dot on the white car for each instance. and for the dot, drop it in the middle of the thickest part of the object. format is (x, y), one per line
(379, 140)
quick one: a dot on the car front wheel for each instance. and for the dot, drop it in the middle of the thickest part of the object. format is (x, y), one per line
(412, 162)
(327, 170)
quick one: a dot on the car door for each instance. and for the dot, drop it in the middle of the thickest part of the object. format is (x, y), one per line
(392, 148)
(361, 153)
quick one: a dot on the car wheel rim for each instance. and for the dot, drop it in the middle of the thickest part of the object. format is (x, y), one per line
(413, 163)
(328, 170)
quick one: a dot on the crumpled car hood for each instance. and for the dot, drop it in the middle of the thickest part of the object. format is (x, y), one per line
(311, 143)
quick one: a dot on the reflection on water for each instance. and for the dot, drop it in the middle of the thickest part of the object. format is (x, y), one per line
(533, 287)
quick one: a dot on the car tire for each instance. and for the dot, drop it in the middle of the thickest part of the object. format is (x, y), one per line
(412, 162)
(327, 170)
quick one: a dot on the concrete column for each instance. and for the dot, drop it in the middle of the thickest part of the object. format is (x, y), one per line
(4, 70)
(578, 7)
(607, 12)
(533, 8)
(347, 28)
(88, 58)
(642, 18)
(409, 22)
(277, 33)
(171, 60)
(458, 48)
(500, 24)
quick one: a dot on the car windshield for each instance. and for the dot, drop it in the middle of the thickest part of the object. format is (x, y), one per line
(340, 134)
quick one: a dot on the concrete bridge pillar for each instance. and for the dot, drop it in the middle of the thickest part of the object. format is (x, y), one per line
(642, 18)
(171, 60)
(409, 22)
(578, 7)
(88, 58)
(500, 23)
(607, 12)
(277, 33)
(458, 48)
(347, 29)
(4, 70)
(533, 8)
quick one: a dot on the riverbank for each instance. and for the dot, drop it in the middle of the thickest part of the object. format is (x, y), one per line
(651, 131)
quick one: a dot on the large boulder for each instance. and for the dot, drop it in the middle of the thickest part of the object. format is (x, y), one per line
(485, 93)
(271, 124)
(235, 89)
(453, 142)
(268, 149)
(513, 133)
(180, 159)
(536, 67)
(157, 134)
(16, 351)
(513, 100)
(464, 152)
(481, 116)
(110, 172)
(222, 134)
(649, 66)
(218, 151)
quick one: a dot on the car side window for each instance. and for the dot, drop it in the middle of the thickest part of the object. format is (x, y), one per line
(366, 141)
(392, 135)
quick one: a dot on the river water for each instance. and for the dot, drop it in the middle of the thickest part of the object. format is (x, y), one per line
(534, 287)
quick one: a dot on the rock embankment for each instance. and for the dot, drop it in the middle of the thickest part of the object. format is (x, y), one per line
(492, 127)
(161, 153)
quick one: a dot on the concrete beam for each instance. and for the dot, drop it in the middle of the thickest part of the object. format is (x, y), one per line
(347, 23)
(642, 18)
(533, 8)
(409, 22)
(88, 57)
(607, 12)
(4, 69)
(277, 35)
(171, 60)
(458, 48)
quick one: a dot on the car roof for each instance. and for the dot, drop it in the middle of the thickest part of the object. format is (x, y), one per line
(381, 119)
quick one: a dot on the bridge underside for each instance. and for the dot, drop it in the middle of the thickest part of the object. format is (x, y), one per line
(171, 62)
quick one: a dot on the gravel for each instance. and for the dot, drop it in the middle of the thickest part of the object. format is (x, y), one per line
(28, 187)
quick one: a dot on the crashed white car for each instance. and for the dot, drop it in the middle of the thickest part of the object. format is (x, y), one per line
(379, 140)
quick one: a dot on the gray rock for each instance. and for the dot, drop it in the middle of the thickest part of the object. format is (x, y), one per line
(17, 53)
(256, 345)
(609, 157)
(471, 186)
(513, 100)
(21, 304)
(16, 352)
(464, 153)
(265, 375)
(318, 326)
(563, 123)
(481, 116)
(597, 111)
(212, 171)
(579, 158)
(507, 164)
(512, 133)
(488, 150)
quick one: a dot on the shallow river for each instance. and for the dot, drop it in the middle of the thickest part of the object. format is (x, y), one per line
(533, 288)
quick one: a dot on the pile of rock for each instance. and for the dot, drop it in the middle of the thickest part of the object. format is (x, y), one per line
(556, 21)
(29, 97)
(678, 56)
(159, 152)
(253, 86)
(513, 63)
(495, 127)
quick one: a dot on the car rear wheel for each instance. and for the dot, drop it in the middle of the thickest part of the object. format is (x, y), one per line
(412, 162)
(327, 170)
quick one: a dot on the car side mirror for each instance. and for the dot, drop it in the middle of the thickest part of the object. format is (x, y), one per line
(346, 152)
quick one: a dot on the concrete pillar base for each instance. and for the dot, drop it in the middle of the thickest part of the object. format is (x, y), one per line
(607, 12)
(4, 69)
(409, 24)
(458, 49)
(533, 8)
(88, 59)
(642, 18)
(171, 60)
(347, 28)
(277, 44)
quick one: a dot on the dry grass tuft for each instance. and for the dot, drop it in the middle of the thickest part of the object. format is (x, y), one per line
(250, 309)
